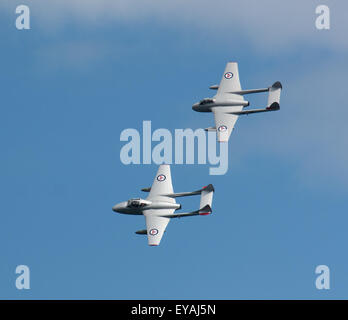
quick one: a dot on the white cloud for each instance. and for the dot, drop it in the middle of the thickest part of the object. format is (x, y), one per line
(311, 128)
(270, 25)
(74, 55)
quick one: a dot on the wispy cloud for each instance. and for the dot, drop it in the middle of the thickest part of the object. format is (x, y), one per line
(74, 55)
(269, 25)
(310, 130)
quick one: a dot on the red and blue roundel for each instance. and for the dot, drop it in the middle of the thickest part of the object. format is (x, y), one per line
(153, 232)
(161, 177)
(228, 75)
(222, 128)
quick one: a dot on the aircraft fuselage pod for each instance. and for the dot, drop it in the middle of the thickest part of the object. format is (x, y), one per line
(137, 206)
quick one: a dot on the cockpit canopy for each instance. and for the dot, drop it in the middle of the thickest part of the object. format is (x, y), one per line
(206, 101)
(135, 203)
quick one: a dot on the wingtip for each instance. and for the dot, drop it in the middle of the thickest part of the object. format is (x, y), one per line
(277, 85)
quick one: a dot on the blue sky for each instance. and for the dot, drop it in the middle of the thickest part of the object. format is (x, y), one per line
(83, 73)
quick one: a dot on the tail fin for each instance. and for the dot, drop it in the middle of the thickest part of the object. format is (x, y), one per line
(205, 210)
(274, 94)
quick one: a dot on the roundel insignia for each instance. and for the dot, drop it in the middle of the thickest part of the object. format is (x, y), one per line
(153, 232)
(222, 128)
(161, 177)
(228, 75)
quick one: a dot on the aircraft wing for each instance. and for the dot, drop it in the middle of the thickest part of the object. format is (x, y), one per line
(229, 81)
(162, 184)
(225, 121)
(156, 225)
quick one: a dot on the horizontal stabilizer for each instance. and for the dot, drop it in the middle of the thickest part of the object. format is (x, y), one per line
(146, 189)
(207, 197)
(210, 129)
(274, 93)
(214, 87)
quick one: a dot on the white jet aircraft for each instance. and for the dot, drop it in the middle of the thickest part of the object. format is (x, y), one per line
(159, 207)
(228, 103)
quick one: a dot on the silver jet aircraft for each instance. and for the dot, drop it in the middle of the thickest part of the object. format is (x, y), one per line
(160, 205)
(228, 103)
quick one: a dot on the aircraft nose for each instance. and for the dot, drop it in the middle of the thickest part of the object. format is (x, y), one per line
(116, 207)
(195, 106)
(120, 207)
